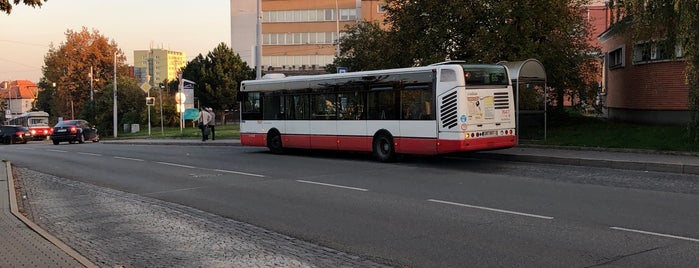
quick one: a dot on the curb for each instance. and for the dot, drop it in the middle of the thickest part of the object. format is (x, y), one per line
(43, 233)
(615, 164)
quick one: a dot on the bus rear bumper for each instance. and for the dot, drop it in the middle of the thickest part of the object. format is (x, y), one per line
(452, 146)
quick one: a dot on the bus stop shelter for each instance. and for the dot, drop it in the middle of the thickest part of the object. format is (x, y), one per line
(529, 83)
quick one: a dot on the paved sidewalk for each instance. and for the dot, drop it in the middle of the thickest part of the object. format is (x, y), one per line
(644, 160)
(24, 243)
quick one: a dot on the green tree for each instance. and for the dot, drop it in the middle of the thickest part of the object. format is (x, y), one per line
(364, 43)
(218, 76)
(423, 32)
(131, 108)
(6, 6)
(676, 21)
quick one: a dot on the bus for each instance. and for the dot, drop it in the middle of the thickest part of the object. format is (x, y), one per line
(36, 121)
(437, 109)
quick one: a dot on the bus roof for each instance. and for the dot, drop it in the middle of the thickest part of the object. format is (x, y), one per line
(324, 80)
(34, 113)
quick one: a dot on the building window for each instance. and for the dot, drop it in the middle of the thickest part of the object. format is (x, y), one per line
(313, 15)
(654, 51)
(616, 58)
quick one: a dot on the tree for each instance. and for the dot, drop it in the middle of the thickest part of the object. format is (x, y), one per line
(423, 32)
(677, 21)
(6, 6)
(67, 74)
(218, 76)
(131, 107)
(364, 43)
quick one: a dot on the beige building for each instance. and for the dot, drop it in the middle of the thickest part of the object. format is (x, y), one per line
(296, 34)
(161, 64)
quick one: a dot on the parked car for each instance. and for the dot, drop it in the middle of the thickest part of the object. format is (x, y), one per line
(14, 134)
(74, 131)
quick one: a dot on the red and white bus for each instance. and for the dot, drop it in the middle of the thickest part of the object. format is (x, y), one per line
(37, 122)
(441, 108)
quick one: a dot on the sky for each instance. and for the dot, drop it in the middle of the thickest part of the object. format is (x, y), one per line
(193, 27)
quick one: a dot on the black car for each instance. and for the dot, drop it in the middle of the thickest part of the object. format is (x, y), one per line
(74, 131)
(14, 134)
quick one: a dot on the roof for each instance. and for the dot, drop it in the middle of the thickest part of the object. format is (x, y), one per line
(18, 89)
(529, 69)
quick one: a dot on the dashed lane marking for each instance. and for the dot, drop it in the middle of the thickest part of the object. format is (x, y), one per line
(91, 154)
(129, 158)
(655, 234)
(239, 173)
(175, 165)
(492, 209)
(333, 185)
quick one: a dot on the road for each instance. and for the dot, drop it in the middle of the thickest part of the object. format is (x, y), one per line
(422, 212)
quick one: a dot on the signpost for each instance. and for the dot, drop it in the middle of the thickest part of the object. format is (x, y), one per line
(146, 88)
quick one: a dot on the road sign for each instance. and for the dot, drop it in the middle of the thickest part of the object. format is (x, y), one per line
(145, 87)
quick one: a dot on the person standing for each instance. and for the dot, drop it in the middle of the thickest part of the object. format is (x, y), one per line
(212, 123)
(203, 118)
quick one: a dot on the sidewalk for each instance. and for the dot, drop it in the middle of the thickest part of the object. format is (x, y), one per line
(24, 243)
(629, 159)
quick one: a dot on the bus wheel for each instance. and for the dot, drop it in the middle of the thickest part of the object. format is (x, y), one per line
(274, 142)
(383, 148)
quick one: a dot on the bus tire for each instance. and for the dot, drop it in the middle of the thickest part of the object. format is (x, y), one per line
(383, 148)
(274, 142)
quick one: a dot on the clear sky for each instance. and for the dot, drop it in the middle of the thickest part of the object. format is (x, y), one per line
(193, 27)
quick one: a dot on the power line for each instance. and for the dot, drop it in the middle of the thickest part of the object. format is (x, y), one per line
(22, 43)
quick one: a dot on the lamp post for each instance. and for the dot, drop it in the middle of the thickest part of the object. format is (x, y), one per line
(114, 111)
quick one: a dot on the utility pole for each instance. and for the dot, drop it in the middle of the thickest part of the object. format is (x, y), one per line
(114, 111)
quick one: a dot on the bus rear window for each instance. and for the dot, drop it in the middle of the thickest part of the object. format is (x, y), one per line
(485, 75)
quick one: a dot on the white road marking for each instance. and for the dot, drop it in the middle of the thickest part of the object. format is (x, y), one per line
(656, 234)
(89, 154)
(175, 190)
(239, 173)
(175, 165)
(128, 158)
(492, 209)
(57, 151)
(334, 185)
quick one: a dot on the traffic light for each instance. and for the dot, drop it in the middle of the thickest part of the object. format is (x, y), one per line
(150, 101)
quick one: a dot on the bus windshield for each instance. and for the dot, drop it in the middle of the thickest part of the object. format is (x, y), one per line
(38, 121)
(482, 74)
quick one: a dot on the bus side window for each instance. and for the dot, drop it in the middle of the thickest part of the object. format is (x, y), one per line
(251, 102)
(273, 107)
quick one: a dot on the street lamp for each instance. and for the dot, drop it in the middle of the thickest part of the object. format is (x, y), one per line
(114, 111)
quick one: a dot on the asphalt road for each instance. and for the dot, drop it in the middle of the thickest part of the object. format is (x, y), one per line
(422, 212)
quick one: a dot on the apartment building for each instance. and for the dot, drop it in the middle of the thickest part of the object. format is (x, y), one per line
(160, 64)
(297, 35)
